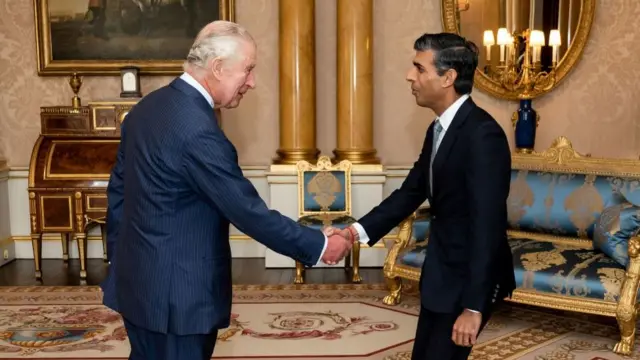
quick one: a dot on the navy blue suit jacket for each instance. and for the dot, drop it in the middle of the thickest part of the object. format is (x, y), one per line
(175, 188)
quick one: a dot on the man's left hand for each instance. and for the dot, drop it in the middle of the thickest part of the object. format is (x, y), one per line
(465, 330)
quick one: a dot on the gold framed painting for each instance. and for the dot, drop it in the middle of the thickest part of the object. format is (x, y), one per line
(99, 37)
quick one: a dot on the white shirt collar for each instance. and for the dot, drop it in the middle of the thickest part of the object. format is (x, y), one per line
(193, 82)
(447, 116)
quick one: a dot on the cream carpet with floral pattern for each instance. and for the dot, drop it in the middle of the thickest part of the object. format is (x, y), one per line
(291, 322)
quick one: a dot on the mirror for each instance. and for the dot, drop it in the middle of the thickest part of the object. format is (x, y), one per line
(526, 46)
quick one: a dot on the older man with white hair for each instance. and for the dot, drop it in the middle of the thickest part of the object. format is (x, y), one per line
(173, 192)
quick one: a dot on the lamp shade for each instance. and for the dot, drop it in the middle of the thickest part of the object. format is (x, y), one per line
(488, 38)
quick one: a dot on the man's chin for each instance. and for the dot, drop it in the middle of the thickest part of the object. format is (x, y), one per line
(232, 105)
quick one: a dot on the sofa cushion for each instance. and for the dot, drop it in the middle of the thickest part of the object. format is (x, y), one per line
(328, 219)
(619, 221)
(415, 254)
(564, 204)
(566, 270)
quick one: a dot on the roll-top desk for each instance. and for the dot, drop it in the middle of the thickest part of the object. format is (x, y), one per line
(69, 172)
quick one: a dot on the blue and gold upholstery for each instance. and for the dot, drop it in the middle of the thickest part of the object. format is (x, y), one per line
(324, 199)
(618, 222)
(413, 255)
(574, 223)
(563, 204)
(566, 270)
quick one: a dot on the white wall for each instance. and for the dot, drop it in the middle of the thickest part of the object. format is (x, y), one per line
(6, 242)
(277, 189)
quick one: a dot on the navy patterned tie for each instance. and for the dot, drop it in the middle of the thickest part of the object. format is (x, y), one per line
(437, 130)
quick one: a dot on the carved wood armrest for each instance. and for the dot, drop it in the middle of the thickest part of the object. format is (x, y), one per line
(404, 238)
(629, 290)
(626, 311)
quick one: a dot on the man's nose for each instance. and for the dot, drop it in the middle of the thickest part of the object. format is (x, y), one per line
(251, 81)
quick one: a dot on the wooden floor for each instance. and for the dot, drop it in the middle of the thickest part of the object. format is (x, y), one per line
(245, 271)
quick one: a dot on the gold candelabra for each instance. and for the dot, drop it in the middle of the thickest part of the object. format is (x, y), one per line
(518, 72)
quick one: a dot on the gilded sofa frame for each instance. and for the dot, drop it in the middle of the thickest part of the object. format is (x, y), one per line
(560, 157)
(324, 164)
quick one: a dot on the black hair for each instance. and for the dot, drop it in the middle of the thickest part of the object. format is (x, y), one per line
(451, 51)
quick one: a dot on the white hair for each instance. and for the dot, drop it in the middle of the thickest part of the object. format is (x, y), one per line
(219, 39)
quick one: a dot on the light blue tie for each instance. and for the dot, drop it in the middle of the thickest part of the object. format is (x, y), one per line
(437, 130)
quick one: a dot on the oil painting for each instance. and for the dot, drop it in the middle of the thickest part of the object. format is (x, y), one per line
(99, 37)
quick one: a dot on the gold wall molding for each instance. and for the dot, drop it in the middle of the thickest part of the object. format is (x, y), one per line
(358, 169)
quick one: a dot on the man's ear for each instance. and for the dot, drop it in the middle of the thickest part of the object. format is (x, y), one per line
(450, 78)
(217, 67)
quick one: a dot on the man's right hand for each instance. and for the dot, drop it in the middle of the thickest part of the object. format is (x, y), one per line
(337, 248)
(345, 233)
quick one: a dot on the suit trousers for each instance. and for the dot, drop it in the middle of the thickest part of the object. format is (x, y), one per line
(433, 336)
(150, 345)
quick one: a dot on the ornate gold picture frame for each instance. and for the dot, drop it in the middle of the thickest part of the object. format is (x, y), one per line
(99, 37)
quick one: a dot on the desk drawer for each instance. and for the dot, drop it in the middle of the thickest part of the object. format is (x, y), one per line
(95, 203)
(56, 211)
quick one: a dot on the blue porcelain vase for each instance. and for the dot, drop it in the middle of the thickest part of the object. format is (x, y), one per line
(525, 132)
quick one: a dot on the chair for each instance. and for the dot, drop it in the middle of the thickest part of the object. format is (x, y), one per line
(324, 199)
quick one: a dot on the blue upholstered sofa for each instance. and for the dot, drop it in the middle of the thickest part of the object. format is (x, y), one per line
(573, 226)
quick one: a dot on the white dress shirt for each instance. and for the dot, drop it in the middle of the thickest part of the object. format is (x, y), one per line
(193, 82)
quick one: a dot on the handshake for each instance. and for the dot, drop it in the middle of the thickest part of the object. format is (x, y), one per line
(339, 243)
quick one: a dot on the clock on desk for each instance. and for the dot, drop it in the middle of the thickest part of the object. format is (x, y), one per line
(130, 82)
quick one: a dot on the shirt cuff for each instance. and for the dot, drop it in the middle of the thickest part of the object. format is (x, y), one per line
(473, 311)
(362, 235)
(324, 248)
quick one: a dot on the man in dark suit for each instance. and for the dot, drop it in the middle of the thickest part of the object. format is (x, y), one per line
(173, 192)
(464, 172)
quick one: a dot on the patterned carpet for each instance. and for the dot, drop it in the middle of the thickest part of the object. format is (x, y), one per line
(293, 322)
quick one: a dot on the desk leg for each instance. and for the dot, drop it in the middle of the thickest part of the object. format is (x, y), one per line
(36, 243)
(299, 279)
(81, 238)
(36, 235)
(356, 278)
(103, 229)
(65, 247)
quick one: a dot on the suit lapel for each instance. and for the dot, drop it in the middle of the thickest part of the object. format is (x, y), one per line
(450, 137)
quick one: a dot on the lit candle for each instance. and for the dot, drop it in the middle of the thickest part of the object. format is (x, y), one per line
(555, 41)
(503, 39)
(536, 42)
(488, 41)
(510, 50)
